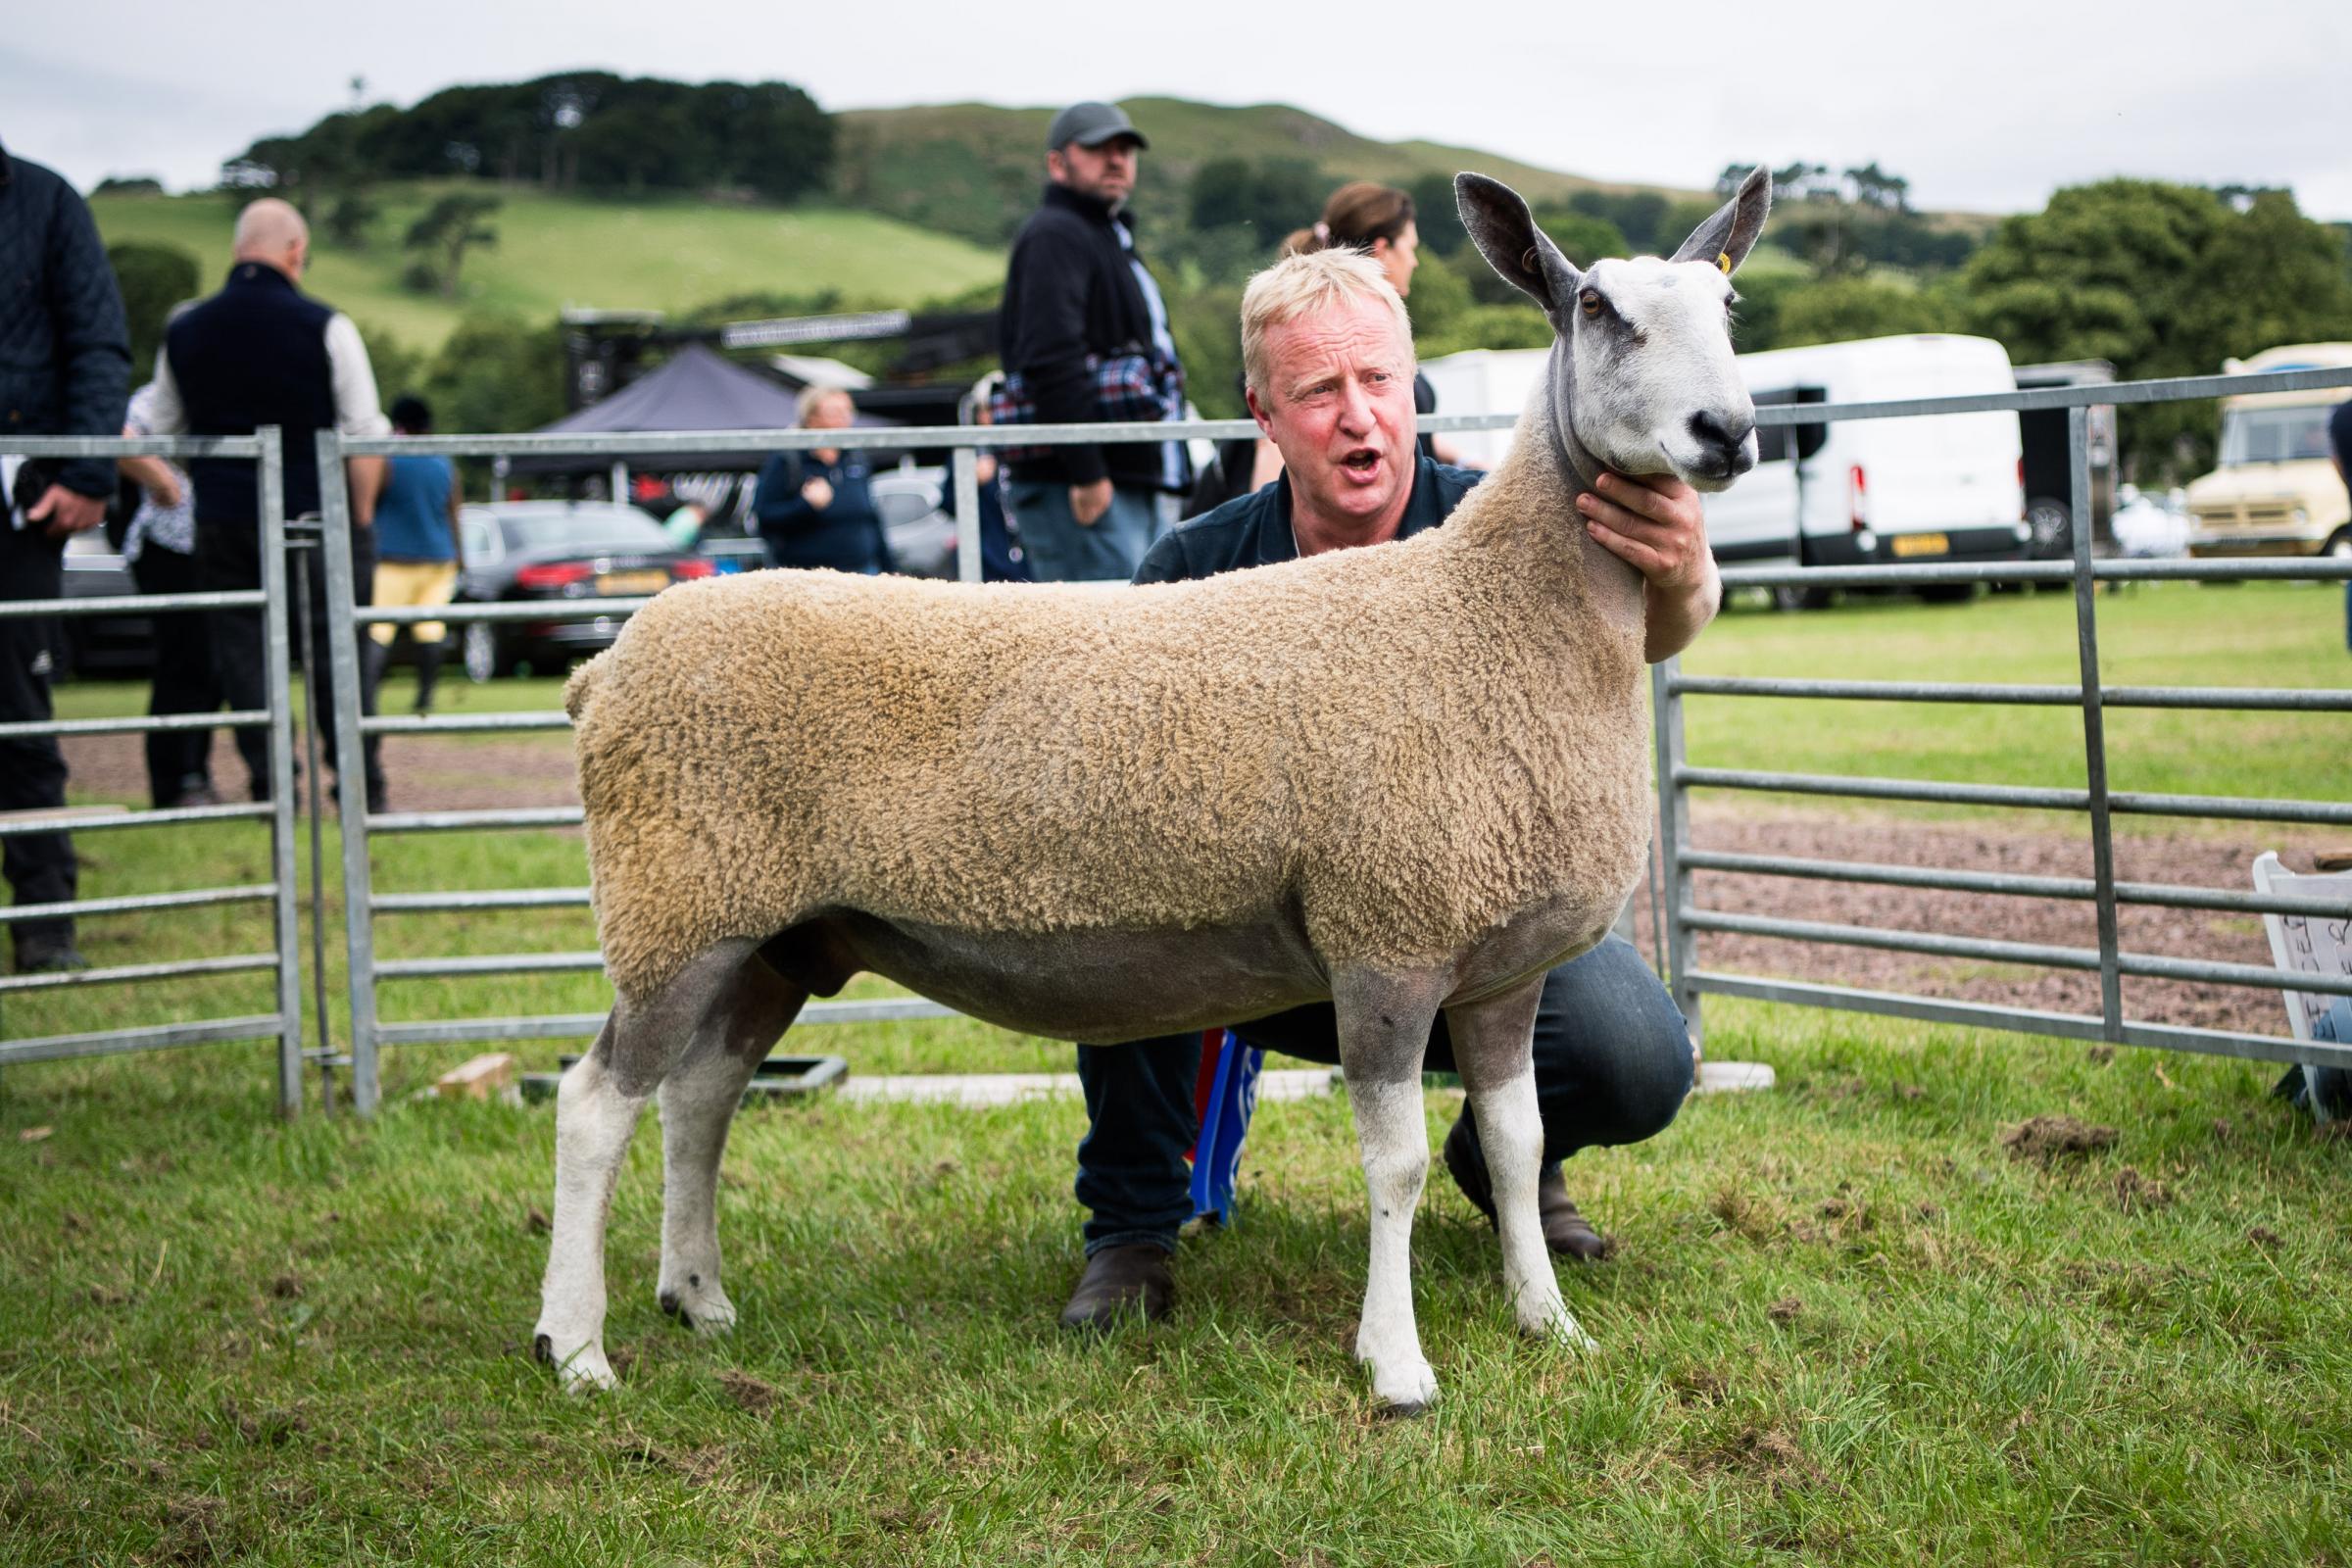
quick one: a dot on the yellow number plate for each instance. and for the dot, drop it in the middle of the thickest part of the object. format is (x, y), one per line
(1922, 544)
(650, 581)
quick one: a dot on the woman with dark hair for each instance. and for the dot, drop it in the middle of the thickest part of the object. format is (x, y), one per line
(1364, 216)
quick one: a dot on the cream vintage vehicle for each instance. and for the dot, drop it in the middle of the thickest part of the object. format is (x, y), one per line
(2275, 492)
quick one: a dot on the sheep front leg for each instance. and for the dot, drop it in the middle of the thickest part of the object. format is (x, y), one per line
(1384, 1033)
(697, 1103)
(1493, 1046)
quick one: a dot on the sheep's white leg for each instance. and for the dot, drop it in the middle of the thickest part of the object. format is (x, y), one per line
(697, 1103)
(593, 1123)
(597, 1106)
(1384, 1034)
(1494, 1047)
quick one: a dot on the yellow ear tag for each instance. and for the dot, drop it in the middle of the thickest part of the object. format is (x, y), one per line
(1723, 259)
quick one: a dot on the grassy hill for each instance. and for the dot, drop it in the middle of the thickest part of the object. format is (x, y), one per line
(974, 169)
(553, 251)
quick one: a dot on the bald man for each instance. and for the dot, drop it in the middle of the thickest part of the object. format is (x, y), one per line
(260, 352)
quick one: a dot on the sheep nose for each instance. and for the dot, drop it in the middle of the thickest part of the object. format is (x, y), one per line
(1722, 442)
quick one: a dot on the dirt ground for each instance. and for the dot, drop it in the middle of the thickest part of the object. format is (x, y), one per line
(440, 773)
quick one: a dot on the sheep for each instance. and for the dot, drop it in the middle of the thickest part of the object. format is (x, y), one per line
(1400, 779)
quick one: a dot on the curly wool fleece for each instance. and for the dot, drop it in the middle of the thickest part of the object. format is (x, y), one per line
(1409, 745)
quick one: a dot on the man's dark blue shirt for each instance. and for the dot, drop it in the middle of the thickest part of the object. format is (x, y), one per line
(1255, 530)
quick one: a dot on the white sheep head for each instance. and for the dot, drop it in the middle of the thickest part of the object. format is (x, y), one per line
(1643, 374)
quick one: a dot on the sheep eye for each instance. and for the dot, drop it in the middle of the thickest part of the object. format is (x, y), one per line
(1589, 300)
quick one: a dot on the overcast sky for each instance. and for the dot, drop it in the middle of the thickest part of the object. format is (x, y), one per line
(1986, 107)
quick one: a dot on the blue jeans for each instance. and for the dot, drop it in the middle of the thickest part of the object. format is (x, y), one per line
(1612, 1067)
(1059, 550)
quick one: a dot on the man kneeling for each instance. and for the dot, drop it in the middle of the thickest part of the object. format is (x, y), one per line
(1328, 354)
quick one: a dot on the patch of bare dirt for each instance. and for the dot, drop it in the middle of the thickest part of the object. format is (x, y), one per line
(2033, 845)
(2051, 1139)
(756, 1396)
(2134, 1192)
(422, 772)
(1767, 1455)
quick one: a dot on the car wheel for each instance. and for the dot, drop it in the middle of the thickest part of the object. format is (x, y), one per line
(2338, 546)
(481, 651)
(1948, 593)
(1792, 599)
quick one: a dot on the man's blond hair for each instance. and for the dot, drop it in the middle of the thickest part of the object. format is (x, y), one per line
(1303, 286)
(815, 395)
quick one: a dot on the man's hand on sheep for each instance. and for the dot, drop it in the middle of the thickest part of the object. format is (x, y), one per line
(1658, 526)
(818, 493)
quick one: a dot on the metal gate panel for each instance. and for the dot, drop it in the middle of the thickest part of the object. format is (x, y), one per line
(285, 1024)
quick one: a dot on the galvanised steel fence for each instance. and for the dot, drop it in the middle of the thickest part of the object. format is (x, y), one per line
(284, 1023)
(362, 905)
(1686, 918)
(1681, 920)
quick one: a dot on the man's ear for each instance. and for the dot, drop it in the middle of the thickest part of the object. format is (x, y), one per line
(1258, 411)
(1506, 234)
(1724, 239)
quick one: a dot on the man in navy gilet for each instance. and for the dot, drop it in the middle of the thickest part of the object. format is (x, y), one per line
(262, 352)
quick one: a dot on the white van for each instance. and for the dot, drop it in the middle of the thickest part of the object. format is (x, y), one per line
(1849, 493)
(1866, 492)
(1484, 381)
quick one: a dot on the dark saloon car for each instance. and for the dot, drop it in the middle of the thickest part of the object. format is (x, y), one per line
(560, 552)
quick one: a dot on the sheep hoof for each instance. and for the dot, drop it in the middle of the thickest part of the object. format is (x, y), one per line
(706, 1313)
(1408, 1391)
(580, 1370)
(1563, 1329)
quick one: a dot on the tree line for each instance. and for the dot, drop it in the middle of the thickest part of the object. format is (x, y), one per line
(586, 132)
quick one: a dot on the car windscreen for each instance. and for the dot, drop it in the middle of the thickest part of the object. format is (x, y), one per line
(588, 532)
(2274, 435)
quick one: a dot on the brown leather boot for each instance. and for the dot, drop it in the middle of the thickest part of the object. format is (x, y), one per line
(1119, 1283)
(1565, 1231)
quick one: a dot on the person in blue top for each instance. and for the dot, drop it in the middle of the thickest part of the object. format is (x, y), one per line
(1328, 353)
(816, 508)
(416, 547)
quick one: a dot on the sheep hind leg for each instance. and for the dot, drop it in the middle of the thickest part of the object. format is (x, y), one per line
(1494, 1047)
(1384, 1034)
(597, 1106)
(697, 1103)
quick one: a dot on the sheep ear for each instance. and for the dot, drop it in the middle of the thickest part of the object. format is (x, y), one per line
(1506, 234)
(1724, 239)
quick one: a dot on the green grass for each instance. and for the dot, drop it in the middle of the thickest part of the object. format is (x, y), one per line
(553, 251)
(2173, 634)
(1844, 1325)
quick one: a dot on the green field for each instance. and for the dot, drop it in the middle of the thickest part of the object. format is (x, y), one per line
(973, 169)
(1844, 1325)
(2159, 634)
(554, 252)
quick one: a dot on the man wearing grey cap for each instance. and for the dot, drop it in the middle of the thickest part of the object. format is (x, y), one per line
(1085, 339)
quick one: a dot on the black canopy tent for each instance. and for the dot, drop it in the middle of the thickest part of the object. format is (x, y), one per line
(698, 389)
